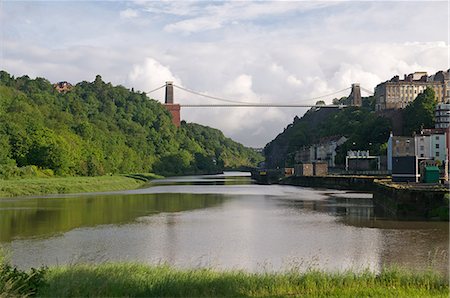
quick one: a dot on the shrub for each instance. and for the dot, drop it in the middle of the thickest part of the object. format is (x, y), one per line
(15, 282)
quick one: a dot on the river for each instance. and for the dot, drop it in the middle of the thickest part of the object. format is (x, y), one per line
(220, 221)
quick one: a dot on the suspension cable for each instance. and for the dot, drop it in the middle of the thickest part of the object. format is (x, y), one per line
(155, 89)
(212, 97)
(367, 90)
(246, 102)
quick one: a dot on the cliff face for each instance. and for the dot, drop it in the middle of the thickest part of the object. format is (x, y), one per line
(363, 128)
(302, 132)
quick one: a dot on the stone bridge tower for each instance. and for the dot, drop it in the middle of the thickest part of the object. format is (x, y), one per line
(355, 95)
(173, 108)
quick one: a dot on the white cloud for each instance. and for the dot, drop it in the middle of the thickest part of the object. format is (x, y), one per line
(149, 75)
(194, 25)
(254, 51)
(292, 80)
(202, 16)
(246, 125)
(128, 13)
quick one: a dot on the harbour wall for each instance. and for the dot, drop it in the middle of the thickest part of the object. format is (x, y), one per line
(401, 201)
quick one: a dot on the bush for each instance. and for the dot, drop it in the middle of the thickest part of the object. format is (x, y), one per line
(14, 282)
(9, 171)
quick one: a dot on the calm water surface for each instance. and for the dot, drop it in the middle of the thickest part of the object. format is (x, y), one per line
(221, 221)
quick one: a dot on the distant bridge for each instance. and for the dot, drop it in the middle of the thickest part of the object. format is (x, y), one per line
(355, 100)
(256, 105)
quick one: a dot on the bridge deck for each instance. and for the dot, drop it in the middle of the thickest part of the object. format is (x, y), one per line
(260, 106)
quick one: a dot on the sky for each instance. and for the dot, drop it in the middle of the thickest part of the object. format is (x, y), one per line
(254, 51)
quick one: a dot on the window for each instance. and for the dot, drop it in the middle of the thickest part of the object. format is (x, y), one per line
(437, 138)
(421, 154)
(437, 153)
(421, 148)
(437, 146)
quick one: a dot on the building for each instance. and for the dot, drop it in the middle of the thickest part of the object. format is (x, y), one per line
(397, 94)
(324, 150)
(443, 77)
(62, 87)
(431, 144)
(442, 119)
(320, 168)
(405, 154)
(399, 146)
(405, 169)
(304, 169)
(361, 160)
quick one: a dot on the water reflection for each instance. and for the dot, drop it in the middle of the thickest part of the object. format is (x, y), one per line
(37, 217)
(206, 221)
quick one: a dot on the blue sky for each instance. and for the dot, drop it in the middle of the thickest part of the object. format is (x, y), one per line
(260, 51)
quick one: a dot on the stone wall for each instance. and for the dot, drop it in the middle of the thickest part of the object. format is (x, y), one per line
(174, 110)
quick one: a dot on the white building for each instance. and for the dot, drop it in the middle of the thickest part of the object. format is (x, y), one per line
(325, 151)
(431, 144)
(442, 115)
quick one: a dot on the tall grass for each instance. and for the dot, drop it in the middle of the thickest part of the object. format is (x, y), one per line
(18, 283)
(58, 185)
(114, 280)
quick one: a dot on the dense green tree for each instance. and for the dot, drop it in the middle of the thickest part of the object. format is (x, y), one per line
(420, 112)
(97, 128)
(363, 128)
(49, 150)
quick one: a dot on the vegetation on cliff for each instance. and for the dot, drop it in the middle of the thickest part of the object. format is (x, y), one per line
(97, 128)
(363, 128)
(420, 113)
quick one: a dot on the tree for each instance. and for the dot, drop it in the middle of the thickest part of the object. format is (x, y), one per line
(420, 112)
(98, 128)
(49, 151)
(320, 103)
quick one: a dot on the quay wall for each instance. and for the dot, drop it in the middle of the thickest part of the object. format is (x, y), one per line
(363, 183)
(401, 201)
(411, 202)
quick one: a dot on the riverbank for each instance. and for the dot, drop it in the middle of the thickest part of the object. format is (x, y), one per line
(133, 280)
(62, 185)
(359, 183)
(394, 200)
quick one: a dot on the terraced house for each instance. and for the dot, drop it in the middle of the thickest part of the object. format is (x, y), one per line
(397, 94)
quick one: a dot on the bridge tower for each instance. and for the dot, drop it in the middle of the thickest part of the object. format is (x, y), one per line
(173, 108)
(355, 95)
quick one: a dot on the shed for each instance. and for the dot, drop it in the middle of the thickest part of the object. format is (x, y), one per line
(304, 169)
(431, 174)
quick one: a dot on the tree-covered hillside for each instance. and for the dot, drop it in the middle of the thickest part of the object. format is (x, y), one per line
(97, 128)
(365, 130)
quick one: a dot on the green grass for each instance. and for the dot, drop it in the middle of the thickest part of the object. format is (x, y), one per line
(60, 185)
(131, 280)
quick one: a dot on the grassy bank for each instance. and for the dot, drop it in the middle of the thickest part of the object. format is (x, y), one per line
(131, 280)
(60, 185)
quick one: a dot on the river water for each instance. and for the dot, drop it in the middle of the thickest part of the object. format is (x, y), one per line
(221, 221)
